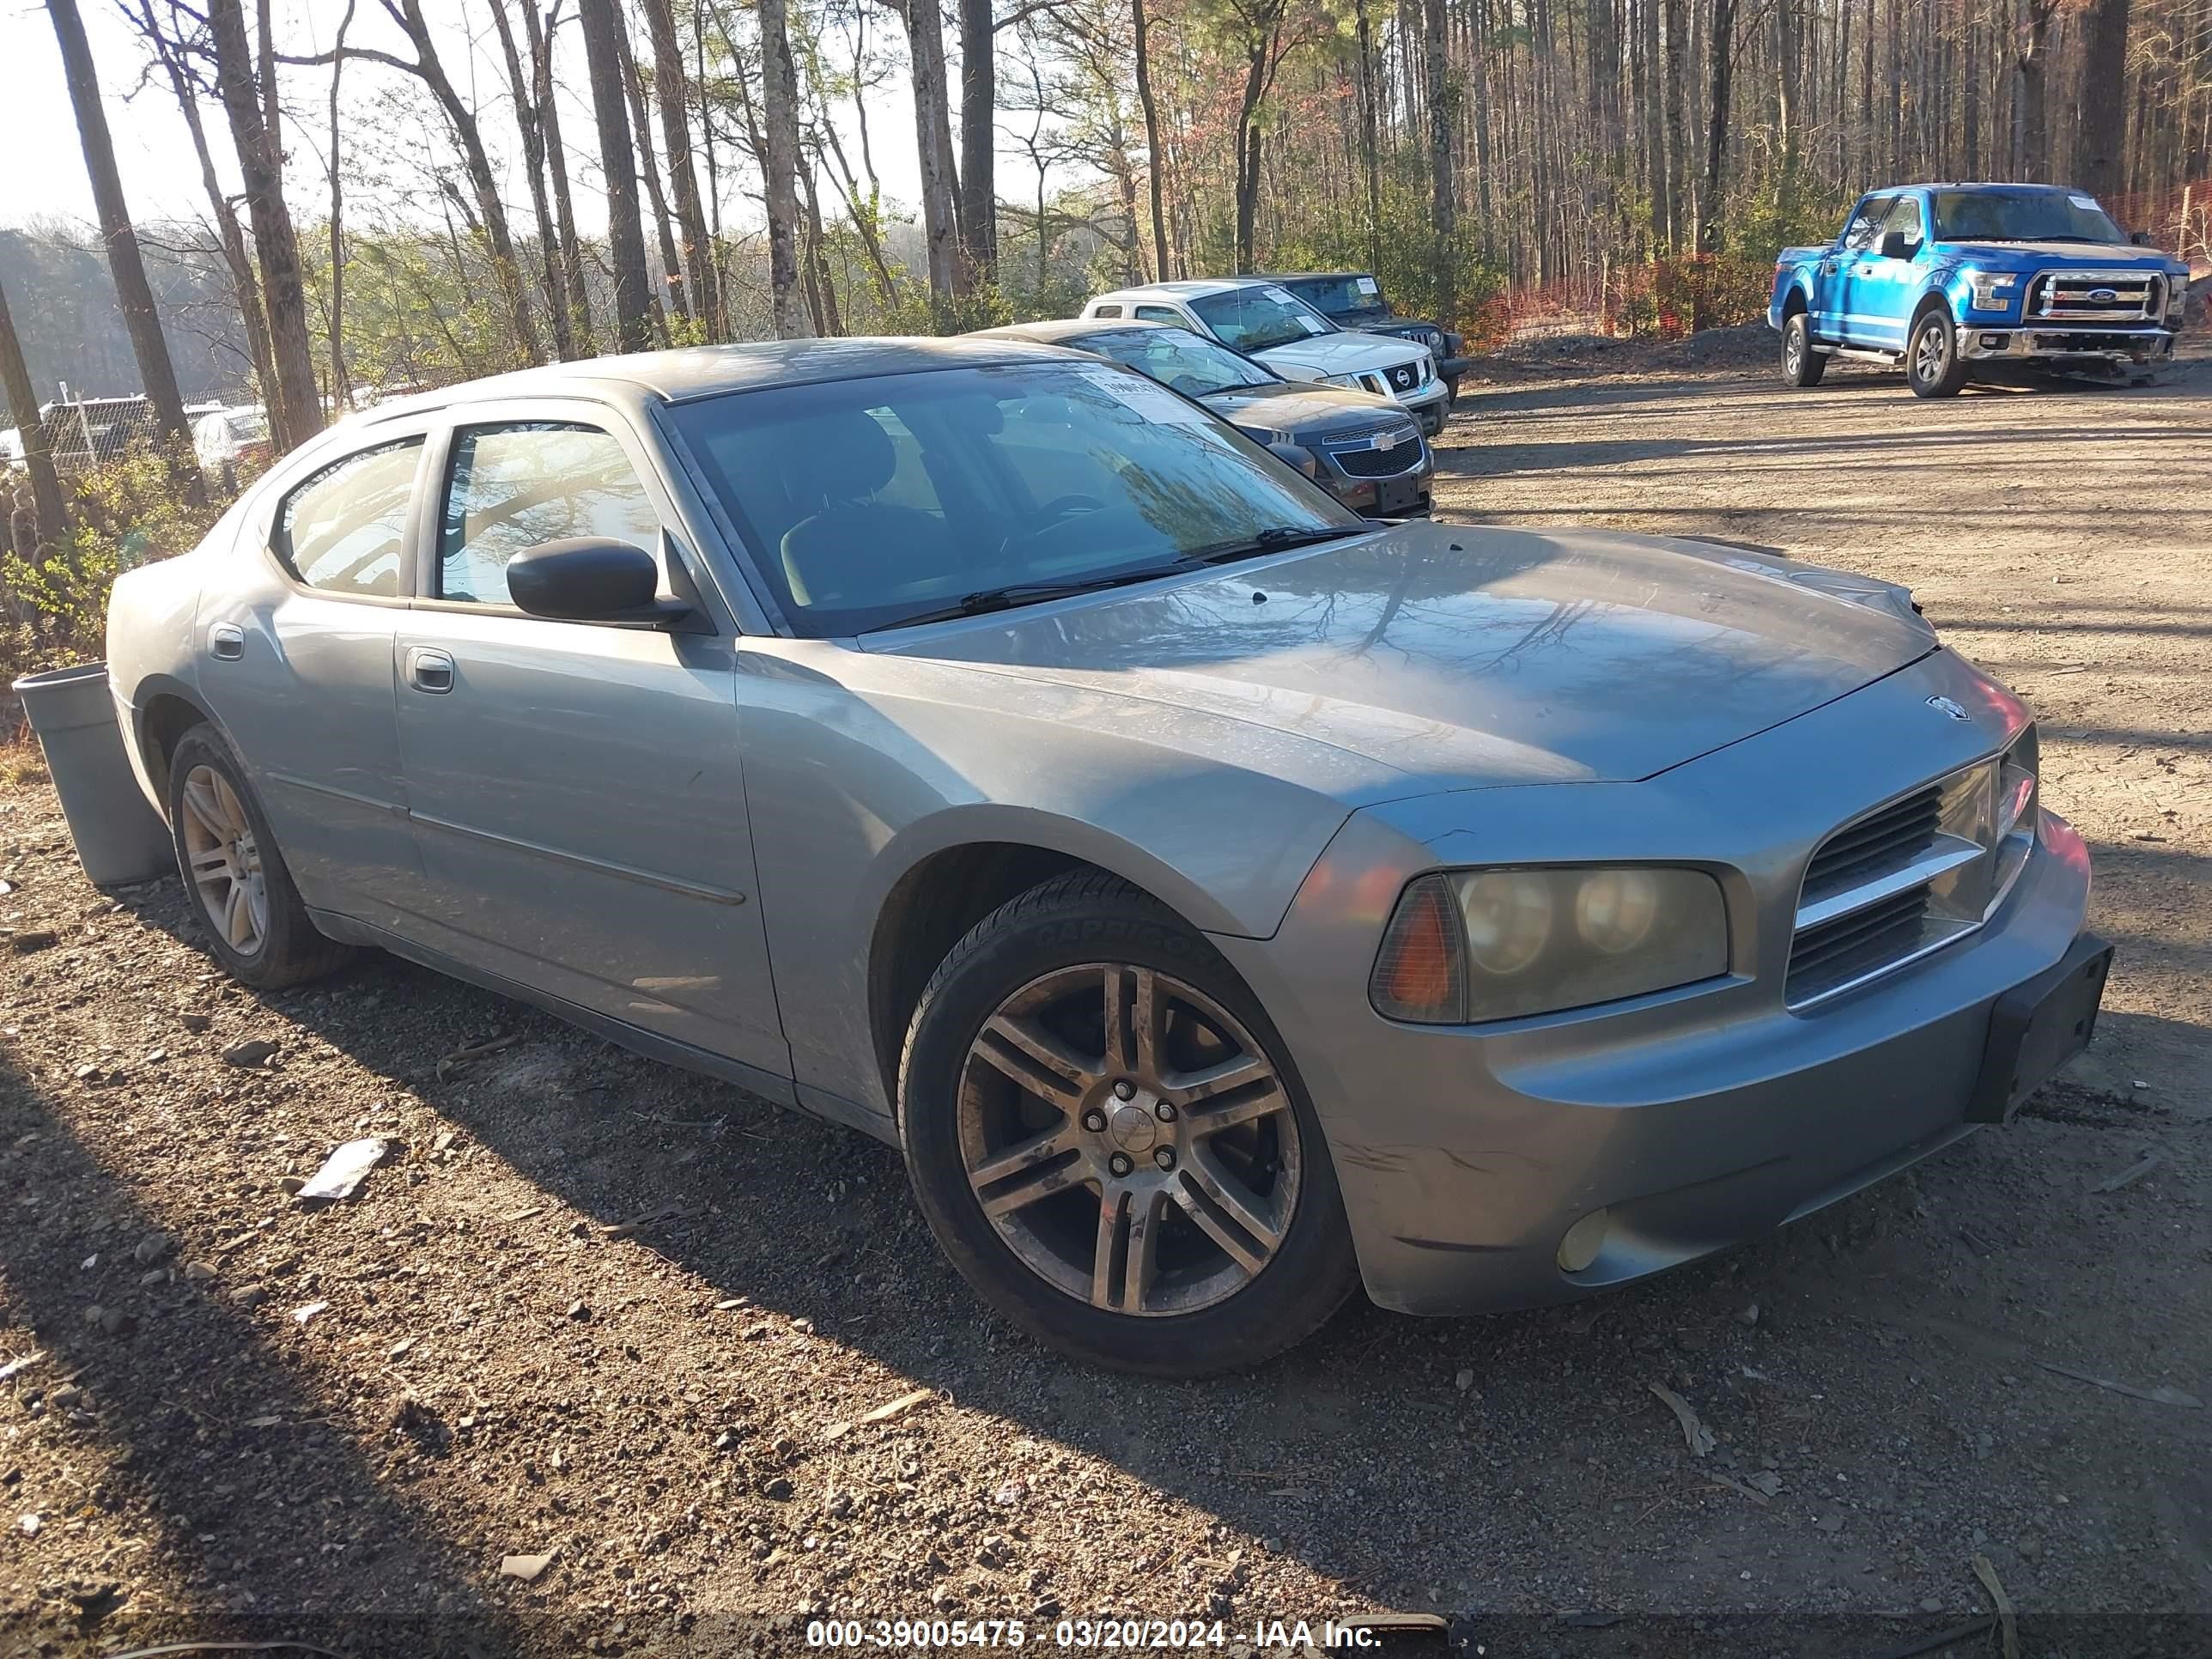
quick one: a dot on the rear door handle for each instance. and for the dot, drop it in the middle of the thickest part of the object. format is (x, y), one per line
(428, 670)
(226, 641)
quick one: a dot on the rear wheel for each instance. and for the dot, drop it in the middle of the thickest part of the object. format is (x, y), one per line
(1105, 1134)
(258, 928)
(1802, 366)
(1933, 367)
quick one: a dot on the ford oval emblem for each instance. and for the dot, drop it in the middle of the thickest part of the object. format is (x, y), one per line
(1946, 706)
(2104, 295)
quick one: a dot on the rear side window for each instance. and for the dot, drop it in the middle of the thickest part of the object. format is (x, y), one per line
(514, 487)
(1159, 314)
(344, 530)
(1105, 311)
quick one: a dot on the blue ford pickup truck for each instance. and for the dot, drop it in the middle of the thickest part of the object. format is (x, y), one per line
(1954, 281)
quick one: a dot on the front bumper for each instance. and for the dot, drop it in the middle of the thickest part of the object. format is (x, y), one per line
(2045, 342)
(1428, 404)
(1696, 1119)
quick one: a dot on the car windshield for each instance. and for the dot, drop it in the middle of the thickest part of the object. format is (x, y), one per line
(873, 501)
(1341, 297)
(1176, 357)
(249, 428)
(1255, 318)
(2021, 216)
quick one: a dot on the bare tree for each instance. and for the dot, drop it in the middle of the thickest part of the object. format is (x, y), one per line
(47, 501)
(295, 406)
(1442, 113)
(1155, 156)
(669, 297)
(2101, 139)
(669, 87)
(341, 381)
(170, 52)
(779, 151)
(491, 211)
(542, 40)
(530, 123)
(625, 236)
(979, 209)
(133, 292)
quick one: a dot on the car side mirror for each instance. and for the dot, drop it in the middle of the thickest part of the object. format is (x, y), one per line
(1896, 244)
(591, 579)
(2141, 238)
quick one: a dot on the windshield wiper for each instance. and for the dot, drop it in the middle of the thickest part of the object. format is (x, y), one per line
(1009, 595)
(1273, 539)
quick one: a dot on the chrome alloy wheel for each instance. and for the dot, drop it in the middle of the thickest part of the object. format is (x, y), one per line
(1927, 353)
(1129, 1139)
(225, 864)
(1793, 351)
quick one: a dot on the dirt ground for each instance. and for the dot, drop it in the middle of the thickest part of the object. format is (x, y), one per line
(702, 1354)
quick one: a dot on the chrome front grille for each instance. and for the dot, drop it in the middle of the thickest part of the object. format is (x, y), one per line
(1912, 876)
(2095, 296)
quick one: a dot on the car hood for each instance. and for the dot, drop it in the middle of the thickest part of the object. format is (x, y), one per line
(1338, 354)
(1303, 410)
(2104, 256)
(1466, 658)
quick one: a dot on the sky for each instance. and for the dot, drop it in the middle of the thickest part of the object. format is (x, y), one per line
(45, 175)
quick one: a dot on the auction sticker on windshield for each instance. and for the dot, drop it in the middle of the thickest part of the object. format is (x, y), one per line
(1148, 398)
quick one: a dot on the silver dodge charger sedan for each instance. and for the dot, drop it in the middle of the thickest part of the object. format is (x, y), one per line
(1220, 901)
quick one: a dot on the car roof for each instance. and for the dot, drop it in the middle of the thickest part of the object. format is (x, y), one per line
(1317, 275)
(1191, 288)
(1054, 331)
(693, 372)
(1968, 184)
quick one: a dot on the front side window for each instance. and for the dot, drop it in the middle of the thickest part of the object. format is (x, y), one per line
(870, 503)
(516, 487)
(1255, 318)
(1865, 224)
(2022, 215)
(1192, 364)
(344, 530)
(1905, 218)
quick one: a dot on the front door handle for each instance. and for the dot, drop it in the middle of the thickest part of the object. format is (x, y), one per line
(226, 643)
(428, 670)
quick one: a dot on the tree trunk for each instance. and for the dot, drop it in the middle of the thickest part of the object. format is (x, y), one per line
(2099, 140)
(554, 275)
(780, 165)
(341, 381)
(2029, 68)
(134, 293)
(1722, 43)
(940, 216)
(296, 407)
(557, 168)
(1443, 111)
(979, 207)
(1370, 139)
(1677, 79)
(1655, 129)
(669, 297)
(47, 500)
(1156, 157)
(670, 80)
(619, 161)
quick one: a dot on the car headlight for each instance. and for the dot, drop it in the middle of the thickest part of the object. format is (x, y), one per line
(1352, 381)
(1992, 289)
(1478, 944)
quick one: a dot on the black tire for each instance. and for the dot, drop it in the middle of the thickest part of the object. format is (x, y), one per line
(288, 950)
(1068, 923)
(1802, 366)
(1933, 367)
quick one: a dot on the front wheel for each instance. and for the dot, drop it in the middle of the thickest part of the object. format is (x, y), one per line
(1802, 366)
(1106, 1136)
(1933, 367)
